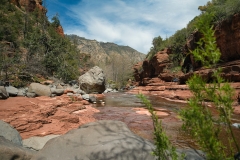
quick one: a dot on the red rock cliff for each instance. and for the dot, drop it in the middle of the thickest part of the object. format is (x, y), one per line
(29, 5)
(228, 40)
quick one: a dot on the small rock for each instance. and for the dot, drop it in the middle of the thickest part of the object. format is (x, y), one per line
(58, 92)
(86, 97)
(79, 91)
(69, 94)
(92, 99)
(31, 94)
(237, 125)
(108, 90)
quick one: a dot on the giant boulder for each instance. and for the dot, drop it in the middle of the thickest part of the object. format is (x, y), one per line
(102, 140)
(39, 89)
(93, 81)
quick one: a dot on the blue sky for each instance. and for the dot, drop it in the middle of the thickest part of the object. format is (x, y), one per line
(131, 23)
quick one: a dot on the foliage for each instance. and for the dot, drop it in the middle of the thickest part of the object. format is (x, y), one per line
(198, 119)
(158, 45)
(55, 21)
(39, 48)
(222, 9)
(164, 149)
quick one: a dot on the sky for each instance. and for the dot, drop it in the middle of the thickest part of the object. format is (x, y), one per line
(131, 23)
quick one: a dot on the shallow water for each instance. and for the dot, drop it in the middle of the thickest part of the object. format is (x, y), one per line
(122, 106)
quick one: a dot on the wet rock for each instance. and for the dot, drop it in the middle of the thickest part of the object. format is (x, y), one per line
(12, 91)
(3, 93)
(39, 89)
(10, 133)
(11, 151)
(37, 143)
(108, 140)
(92, 81)
(92, 99)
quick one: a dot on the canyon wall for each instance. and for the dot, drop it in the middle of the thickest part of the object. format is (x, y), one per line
(227, 35)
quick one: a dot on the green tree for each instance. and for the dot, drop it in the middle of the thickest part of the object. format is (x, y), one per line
(56, 21)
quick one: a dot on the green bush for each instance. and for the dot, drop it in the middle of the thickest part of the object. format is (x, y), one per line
(197, 118)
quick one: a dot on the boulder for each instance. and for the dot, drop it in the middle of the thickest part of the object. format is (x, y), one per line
(3, 93)
(37, 143)
(93, 81)
(102, 140)
(11, 151)
(39, 89)
(12, 91)
(10, 133)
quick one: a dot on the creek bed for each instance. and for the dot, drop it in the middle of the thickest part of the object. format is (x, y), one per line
(125, 107)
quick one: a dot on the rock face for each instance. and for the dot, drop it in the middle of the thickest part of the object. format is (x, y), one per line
(29, 5)
(93, 81)
(152, 68)
(60, 31)
(228, 40)
(9, 133)
(39, 89)
(109, 140)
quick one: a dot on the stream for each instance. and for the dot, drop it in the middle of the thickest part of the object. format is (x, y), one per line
(128, 108)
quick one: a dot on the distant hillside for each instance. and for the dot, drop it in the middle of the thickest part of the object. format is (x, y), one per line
(115, 60)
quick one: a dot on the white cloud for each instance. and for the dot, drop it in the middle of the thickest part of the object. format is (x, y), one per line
(134, 23)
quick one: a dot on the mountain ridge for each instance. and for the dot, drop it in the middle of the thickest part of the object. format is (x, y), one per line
(115, 60)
